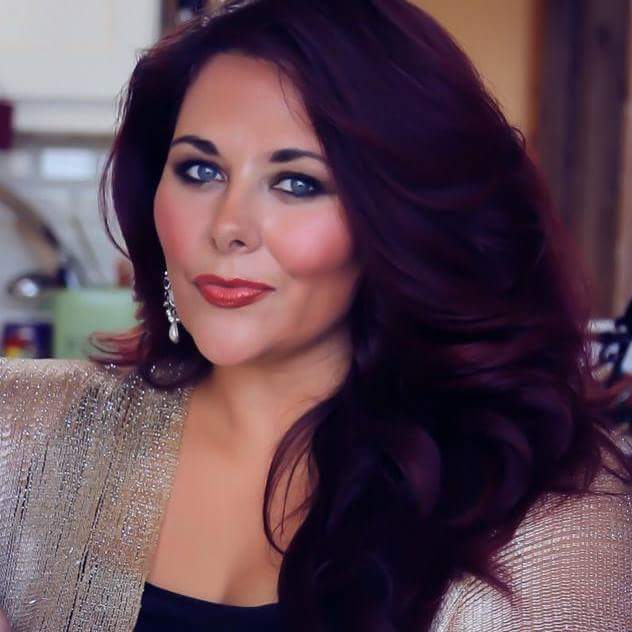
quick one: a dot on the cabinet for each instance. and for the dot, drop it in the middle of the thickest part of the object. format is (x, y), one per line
(63, 63)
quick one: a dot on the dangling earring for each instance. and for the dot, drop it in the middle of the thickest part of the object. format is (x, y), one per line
(170, 309)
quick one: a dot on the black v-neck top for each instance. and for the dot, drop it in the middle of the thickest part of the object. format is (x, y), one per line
(164, 610)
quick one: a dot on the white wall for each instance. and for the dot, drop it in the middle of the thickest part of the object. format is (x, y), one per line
(64, 61)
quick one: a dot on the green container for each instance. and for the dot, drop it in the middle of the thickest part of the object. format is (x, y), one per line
(79, 312)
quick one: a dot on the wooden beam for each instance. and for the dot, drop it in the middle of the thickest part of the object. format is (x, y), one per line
(623, 285)
(582, 94)
(168, 14)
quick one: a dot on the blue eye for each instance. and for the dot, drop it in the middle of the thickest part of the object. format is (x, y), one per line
(308, 188)
(196, 172)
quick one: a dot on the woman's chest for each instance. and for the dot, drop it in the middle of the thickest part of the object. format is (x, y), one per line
(212, 544)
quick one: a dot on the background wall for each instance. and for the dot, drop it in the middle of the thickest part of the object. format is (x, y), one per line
(499, 36)
(63, 63)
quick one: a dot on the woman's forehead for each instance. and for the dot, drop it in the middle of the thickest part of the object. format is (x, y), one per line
(236, 97)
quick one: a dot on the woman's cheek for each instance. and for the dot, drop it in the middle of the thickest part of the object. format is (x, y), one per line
(172, 231)
(311, 242)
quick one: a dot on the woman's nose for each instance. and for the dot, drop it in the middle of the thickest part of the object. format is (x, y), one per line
(233, 226)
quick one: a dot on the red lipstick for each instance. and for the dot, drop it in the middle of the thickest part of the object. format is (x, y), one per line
(218, 280)
(229, 292)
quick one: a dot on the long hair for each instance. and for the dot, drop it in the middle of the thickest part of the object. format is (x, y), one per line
(469, 393)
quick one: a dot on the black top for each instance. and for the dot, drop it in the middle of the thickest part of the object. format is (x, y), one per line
(163, 610)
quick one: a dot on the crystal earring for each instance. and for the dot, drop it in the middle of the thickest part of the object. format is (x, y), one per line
(170, 309)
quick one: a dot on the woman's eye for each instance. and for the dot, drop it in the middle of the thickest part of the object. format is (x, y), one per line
(196, 172)
(307, 187)
(199, 173)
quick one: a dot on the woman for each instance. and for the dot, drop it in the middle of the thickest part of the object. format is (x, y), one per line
(395, 429)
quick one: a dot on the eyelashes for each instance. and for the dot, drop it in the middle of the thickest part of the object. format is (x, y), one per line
(182, 170)
(196, 172)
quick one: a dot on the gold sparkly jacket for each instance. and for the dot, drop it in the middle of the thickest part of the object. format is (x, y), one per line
(87, 456)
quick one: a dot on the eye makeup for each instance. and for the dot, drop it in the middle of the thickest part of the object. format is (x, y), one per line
(184, 170)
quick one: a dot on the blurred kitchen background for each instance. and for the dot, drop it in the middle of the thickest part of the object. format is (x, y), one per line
(62, 67)
(561, 69)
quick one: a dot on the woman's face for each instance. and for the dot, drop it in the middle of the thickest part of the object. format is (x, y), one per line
(223, 208)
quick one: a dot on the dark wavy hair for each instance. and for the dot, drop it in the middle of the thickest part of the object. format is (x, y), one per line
(470, 391)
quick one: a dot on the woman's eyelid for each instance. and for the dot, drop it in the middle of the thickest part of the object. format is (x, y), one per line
(181, 160)
(279, 174)
(182, 167)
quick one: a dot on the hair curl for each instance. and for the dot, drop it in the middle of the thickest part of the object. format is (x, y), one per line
(470, 392)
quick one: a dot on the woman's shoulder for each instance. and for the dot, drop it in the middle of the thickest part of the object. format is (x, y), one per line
(569, 564)
(18, 374)
(569, 531)
(41, 388)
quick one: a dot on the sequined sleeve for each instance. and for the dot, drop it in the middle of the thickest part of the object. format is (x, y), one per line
(87, 456)
(30, 386)
(570, 566)
(34, 397)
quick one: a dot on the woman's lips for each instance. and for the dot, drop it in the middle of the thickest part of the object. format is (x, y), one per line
(230, 296)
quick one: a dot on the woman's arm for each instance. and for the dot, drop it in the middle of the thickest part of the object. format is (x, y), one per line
(34, 397)
(570, 567)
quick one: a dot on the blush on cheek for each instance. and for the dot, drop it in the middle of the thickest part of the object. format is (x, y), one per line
(311, 244)
(169, 225)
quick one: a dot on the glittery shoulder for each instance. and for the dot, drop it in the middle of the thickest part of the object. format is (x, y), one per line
(569, 563)
(87, 456)
(30, 389)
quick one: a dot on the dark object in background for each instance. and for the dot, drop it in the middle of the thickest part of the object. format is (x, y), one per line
(176, 12)
(27, 340)
(614, 346)
(192, 5)
(6, 124)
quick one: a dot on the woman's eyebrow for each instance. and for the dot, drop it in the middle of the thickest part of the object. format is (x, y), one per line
(280, 155)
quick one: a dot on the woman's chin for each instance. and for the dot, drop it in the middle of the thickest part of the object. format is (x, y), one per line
(229, 351)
